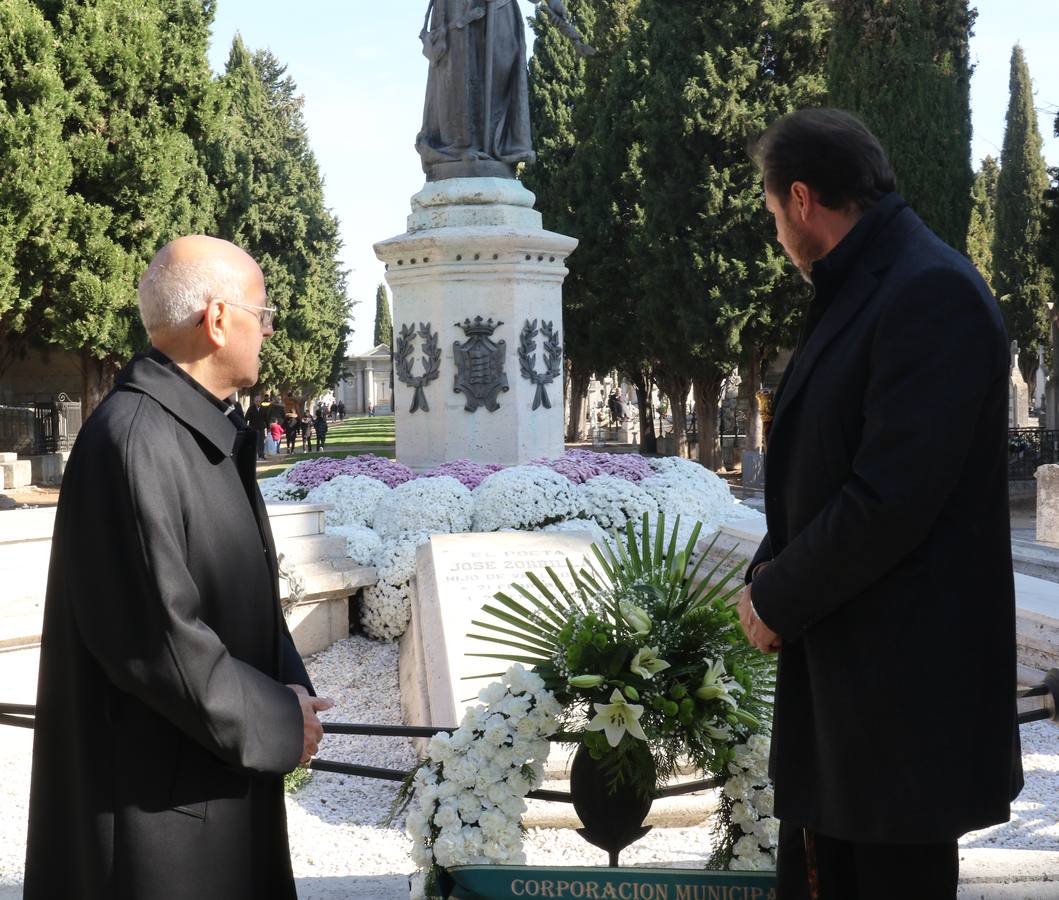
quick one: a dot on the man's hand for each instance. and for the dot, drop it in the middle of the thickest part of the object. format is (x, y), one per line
(313, 731)
(757, 632)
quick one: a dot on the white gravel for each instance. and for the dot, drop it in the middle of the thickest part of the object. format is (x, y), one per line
(339, 846)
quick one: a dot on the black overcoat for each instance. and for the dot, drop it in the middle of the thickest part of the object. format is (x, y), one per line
(163, 721)
(890, 579)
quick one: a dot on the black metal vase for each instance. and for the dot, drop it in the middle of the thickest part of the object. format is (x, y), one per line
(612, 820)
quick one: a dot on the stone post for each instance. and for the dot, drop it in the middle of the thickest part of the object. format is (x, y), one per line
(477, 297)
(1048, 503)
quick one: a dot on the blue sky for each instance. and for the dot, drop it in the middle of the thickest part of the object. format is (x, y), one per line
(359, 67)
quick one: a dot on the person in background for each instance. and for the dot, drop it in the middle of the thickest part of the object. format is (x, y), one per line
(291, 426)
(257, 419)
(275, 435)
(320, 427)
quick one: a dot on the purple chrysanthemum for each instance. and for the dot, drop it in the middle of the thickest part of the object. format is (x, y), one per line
(467, 472)
(311, 473)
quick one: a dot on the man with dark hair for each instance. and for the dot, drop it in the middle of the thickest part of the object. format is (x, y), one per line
(886, 569)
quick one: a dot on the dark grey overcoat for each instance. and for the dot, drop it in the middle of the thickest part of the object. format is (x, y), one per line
(888, 531)
(163, 720)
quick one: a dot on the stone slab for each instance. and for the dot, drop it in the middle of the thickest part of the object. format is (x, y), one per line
(317, 624)
(455, 576)
(297, 519)
(8, 457)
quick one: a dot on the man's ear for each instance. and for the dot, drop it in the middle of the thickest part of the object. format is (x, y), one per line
(216, 324)
(803, 199)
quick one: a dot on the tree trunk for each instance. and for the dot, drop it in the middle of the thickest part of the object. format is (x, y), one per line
(675, 388)
(707, 397)
(648, 438)
(753, 385)
(578, 382)
(97, 378)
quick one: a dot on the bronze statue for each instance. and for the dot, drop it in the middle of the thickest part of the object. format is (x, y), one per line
(476, 116)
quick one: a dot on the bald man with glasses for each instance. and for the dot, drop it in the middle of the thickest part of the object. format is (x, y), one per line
(171, 699)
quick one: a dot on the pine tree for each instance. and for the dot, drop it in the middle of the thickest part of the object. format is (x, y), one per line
(383, 325)
(34, 205)
(1020, 278)
(982, 230)
(904, 67)
(137, 82)
(272, 206)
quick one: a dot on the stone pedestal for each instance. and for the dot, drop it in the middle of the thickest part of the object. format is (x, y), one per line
(476, 280)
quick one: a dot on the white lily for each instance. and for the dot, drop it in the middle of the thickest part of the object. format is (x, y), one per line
(616, 718)
(646, 662)
(636, 617)
(717, 684)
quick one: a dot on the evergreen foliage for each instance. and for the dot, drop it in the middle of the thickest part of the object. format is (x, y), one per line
(271, 205)
(982, 230)
(34, 205)
(719, 74)
(383, 324)
(139, 109)
(904, 67)
(1051, 220)
(1020, 277)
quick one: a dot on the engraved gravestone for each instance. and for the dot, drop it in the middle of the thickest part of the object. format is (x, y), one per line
(456, 575)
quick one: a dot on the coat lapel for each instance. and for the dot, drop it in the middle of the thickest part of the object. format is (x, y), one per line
(850, 301)
(852, 298)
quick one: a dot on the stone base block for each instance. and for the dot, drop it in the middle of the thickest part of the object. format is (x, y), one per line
(8, 457)
(16, 474)
(49, 467)
(317, 624)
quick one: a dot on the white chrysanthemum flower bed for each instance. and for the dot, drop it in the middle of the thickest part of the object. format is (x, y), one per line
(439, 505)
(523, 497)
(383, 526)
(611, 502)
(355, 499)
(363, 545)
(386, 606)
(279, 490)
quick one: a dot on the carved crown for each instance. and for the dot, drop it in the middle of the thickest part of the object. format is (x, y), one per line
(479, 326)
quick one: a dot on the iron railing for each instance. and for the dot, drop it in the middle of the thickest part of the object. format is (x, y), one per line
(47, 426)
(1029, 448)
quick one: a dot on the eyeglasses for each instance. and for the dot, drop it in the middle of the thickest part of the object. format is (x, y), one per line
(265, 314)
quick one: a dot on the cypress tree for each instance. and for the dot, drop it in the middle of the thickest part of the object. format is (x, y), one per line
(383, 325)
(904, 67)
(719, 73)
(982, 230)
(1020, 277)
(137, 82)
(557, 92)
(272, 206)
(1051, 220)
(34, 205)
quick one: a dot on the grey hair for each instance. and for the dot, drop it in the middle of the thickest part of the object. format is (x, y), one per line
(172, 294)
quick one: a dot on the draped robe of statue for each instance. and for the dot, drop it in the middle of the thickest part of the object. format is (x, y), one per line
(454, 141)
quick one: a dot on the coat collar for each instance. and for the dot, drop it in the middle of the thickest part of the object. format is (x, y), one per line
(875, 244)
(154, 374)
